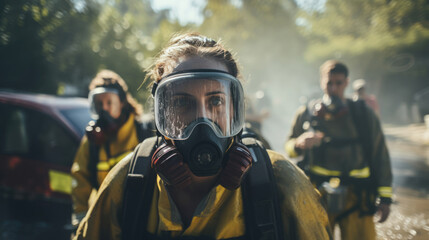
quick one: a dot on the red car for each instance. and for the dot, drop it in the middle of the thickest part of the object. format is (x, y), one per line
(39, 136)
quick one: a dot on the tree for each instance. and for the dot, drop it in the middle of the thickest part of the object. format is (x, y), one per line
(356, 27)
(48, 44)
(40, 42)
(127, 36)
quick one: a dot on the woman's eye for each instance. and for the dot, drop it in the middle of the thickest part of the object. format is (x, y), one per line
(216, 101)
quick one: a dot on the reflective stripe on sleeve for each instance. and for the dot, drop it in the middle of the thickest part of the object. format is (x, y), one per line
(324, 172)
(385, 192)
(360, 173)
(356, 173)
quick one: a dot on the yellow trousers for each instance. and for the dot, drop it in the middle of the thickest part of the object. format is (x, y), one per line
(354, 226)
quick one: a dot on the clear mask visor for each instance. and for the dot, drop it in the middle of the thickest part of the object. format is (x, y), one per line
(92, 97)
(183, 101)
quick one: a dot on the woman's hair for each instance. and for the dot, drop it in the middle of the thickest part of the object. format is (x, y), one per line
(109, 79)
(188, 45)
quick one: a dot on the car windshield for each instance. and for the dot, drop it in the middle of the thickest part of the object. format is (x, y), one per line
(78, 117)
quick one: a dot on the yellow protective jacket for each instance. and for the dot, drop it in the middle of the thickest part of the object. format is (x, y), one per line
(82, 190)
(347, 159)
(219, 215)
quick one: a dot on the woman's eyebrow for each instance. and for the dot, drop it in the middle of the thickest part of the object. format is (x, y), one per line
(215, 92)
(183, 94)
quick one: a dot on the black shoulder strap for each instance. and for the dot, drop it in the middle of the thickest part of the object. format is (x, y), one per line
(261, 203)
(139, 183)
(94, 158)
(359, 115)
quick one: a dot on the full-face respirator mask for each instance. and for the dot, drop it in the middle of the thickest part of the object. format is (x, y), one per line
(200, 113)
(104, 126)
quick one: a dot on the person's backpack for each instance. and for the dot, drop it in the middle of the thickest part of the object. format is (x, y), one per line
(251, 132)
(261, 205)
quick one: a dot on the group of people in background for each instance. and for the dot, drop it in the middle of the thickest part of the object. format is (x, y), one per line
(201, 169)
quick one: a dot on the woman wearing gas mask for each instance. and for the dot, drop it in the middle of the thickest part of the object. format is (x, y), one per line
(118, 128)
(198, 179)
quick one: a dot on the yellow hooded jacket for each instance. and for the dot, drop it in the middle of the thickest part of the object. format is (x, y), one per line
(82, 190)
(218, 216)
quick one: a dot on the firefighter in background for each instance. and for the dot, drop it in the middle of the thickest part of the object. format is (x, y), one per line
(193, 170)
(359, 88)
(118, 128)
(344, 153)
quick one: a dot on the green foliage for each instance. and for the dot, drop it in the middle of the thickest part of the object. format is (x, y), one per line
(356, 27)
(48, 46)
(127, 37)
(41, 41)
(121, 40)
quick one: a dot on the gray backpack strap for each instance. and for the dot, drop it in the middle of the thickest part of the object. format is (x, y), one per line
(145, 129)
(139, 183)
(260, 198)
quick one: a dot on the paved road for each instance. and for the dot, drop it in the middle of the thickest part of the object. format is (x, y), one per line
(409, 149)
